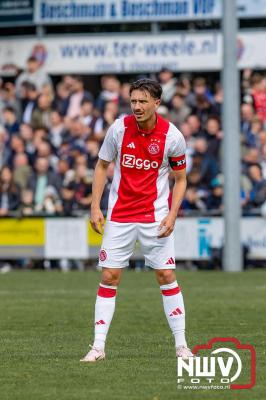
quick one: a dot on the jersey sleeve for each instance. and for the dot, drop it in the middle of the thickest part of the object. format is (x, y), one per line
(108, 150)
(177, 151)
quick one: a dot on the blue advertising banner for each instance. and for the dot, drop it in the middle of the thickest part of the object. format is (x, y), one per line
(92, 11)
(112, 11)
(16, 11)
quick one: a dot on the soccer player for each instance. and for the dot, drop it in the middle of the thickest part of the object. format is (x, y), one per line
(144, 147)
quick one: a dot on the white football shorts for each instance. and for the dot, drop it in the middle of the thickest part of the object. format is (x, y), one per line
(119, 241)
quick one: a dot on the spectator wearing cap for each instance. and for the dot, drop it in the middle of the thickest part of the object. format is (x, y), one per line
(34, 74)
(215, 200)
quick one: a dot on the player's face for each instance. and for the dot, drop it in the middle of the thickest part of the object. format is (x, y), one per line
(143, 105)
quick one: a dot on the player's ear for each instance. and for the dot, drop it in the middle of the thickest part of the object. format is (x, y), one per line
(157, 103)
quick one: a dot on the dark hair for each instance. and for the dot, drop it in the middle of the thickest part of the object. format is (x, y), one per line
(149, 85)
(199, 81)
(28, 85)
(32, 59)
(214, 117)
(78, 78)
(9, 109)
(85, 101)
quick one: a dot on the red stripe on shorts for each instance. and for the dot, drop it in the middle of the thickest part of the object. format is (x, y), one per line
(171, 292)
(106, 292)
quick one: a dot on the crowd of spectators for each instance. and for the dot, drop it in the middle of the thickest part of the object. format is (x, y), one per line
(50, 137)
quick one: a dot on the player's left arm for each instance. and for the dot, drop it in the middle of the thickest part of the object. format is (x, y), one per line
(168, 223)
(177, 162)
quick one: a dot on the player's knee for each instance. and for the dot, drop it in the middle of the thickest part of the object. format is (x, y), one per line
(110, 277)
(165, 276)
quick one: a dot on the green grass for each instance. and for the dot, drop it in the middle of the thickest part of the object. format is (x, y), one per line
(46, 326)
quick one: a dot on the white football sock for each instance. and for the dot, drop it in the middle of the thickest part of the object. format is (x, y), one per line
(104, 311)
(175, 311)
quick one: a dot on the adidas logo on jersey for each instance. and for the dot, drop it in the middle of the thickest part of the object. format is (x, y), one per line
(131, 145)
(170, 261)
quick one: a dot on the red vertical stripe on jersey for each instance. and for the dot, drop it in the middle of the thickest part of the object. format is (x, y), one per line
(139, 166)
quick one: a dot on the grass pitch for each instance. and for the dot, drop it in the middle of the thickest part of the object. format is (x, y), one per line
(46, 326)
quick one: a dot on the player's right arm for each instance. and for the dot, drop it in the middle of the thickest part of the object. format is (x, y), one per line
(99, 179)
(107, 154)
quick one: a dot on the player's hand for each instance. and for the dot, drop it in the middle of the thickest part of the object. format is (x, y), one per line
(166, 226)
(97, 220)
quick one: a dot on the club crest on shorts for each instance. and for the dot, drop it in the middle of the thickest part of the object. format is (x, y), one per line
(103, 255)
(153, 148)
